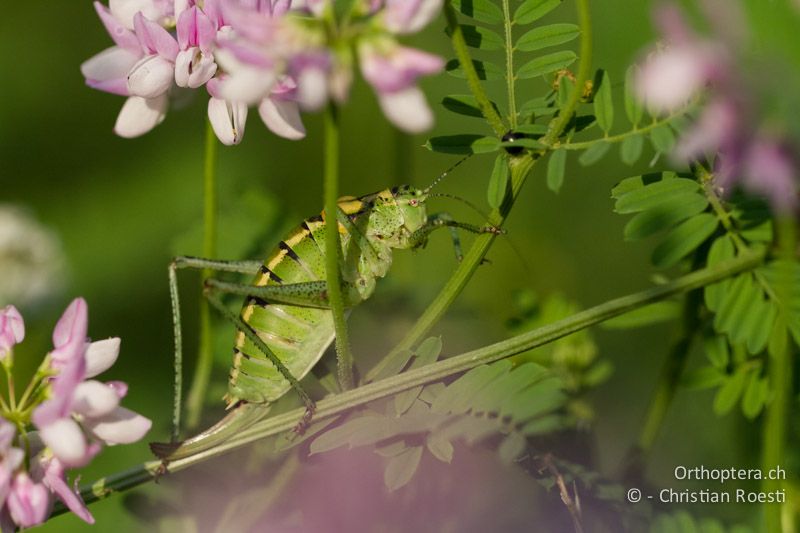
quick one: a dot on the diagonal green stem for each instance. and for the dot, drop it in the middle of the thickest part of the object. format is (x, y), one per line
(205, 356)
(474, 82)
(520, 167)
(333, 249)
(345, 401)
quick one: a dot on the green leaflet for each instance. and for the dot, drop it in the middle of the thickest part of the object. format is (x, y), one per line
(401, 468)
(683, 240)
(702, 378)
(484, 69)
(594, 153)
(631, 148)
(717, 352)
(481, 38)
(755, 396)
(537, 107)
(546, 64)
(440, 448)
(662, 138)
(633, 196)
(463, 104)
(532, 10)
(457, 397)
(488, 400)
(481, 10)
(664, 215)
(512, 447)
(721, 250)
(427, 352)
(730, 392)
(633, 108)
(556, 166)
(545, 36)
(603, 102)
(463, 144)
(498, 182)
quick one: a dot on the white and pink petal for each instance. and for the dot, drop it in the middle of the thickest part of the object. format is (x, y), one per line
(121, 426)
(228, 120)
(101, 355)
(140, 115)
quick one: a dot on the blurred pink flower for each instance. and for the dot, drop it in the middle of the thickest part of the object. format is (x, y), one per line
(730, 126)
(28, 502)
(393, 71)
(12, 329)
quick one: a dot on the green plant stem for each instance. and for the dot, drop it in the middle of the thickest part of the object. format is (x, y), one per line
(780, 376)
(520, 167)
(205, 355)
(333, 249)
(351, 399)
(474, 82)
(556, 127)
(510, 77)
(583, 145)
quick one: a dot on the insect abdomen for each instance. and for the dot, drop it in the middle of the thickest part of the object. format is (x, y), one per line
(298, 336)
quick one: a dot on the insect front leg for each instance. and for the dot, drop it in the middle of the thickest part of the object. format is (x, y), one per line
(439, 220)
(196, 263)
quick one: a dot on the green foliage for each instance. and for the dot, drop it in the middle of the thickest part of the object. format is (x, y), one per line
(546, 64)
(556, 166)
(532, 10)
(463, 144)
(574, 358)
(485, 70)
(498, 182)
(745, 308)
(512, 402)
(603, 102)
(683, 522)
(665, 203)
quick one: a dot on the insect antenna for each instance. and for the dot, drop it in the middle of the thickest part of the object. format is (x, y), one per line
(445, 173)
(462, 200)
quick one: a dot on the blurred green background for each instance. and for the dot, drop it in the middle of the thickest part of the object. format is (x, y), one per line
(122, 208)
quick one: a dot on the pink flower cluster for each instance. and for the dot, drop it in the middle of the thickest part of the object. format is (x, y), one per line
(73, 416)
(731, 124)
(281, 56)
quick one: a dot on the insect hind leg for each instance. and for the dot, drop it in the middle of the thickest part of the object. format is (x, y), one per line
(195, 263)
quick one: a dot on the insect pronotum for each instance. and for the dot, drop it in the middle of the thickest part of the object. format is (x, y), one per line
(285, 325)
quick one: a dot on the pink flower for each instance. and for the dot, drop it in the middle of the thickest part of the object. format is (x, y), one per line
(28, 502)
(158, 10)
(10, 457)
(12, 329)
(53, 477)
(393, 70)
(194, 64)
(109, 71)
(79, 406)
(409, 16)
(153, 74)
(730, 128)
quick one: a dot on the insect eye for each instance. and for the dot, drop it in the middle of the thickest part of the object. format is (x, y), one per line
(413, 202)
